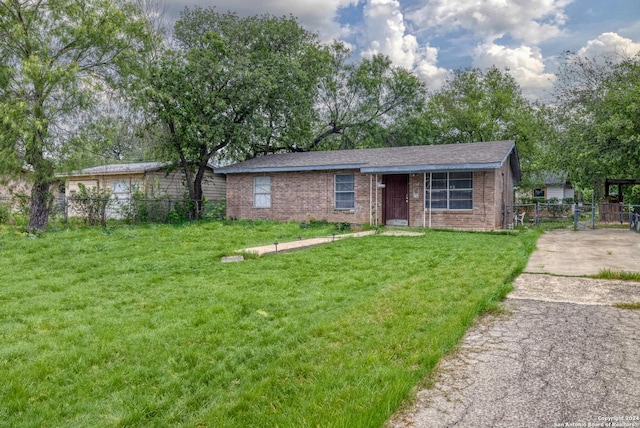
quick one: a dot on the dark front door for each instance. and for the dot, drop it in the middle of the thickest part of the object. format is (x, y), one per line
(396, 200)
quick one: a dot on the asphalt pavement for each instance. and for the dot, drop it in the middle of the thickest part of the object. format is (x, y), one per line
(559, 356)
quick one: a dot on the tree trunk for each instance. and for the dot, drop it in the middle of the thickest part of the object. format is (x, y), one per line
(197, 192)
(39, 213)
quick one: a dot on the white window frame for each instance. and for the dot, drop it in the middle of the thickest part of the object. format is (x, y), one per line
(262, 192)
(120, 187)
(342, 187)
(541, 193)
(447, 190)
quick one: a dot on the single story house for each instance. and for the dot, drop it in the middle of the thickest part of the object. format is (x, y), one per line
(153, 179)
(461, 186)
(17, 184)
(553, 186)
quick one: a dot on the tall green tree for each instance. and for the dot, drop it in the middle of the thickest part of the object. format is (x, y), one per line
(598, 112)
(357, 102)
(480, 105)
(55, 57)
(232, 87)
(112, 139)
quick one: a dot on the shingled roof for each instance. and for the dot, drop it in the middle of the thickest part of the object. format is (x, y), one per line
(121, 168)
(390, 160)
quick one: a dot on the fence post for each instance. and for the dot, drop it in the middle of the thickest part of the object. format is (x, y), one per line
(575, 216)
(66, 209)
(504, 214)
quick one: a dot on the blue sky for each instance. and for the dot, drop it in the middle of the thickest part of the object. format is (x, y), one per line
(433, 37)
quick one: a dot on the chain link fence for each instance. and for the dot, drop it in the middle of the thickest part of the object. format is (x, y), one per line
(634, 222)
(535, 214)
(129, 210)
(581, 215)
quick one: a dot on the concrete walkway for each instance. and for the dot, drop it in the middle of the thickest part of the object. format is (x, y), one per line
(560, 356)
(303, 243)
(565, 252)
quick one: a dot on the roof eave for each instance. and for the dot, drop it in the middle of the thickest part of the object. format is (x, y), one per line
(514, 159)
(104, 173)
(305, 168)
(411, 169)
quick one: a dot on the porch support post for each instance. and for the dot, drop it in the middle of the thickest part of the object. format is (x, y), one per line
(370, 200)
(424, 199)
(430, 196)
(377, 191)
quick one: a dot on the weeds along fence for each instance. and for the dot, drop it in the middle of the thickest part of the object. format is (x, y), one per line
(140, 210)
(634, 223)
(535, 214)
(581, 215)
(95, 211)
(5, 209)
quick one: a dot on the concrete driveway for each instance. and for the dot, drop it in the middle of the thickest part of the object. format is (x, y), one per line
(560, 356)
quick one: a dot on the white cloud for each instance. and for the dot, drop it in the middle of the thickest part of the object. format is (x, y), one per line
(529, 20)
(428, 71)
(316, 15)
(610, 45)
(385, 33)
(525, 64)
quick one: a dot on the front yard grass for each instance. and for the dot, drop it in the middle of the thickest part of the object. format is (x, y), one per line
(144, 326)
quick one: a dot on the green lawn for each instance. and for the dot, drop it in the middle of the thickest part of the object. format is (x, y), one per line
(144, 326)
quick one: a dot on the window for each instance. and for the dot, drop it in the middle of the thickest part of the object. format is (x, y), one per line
(449, 191)
(120, 187)
(538, 193)
(438, 192)
(262, 192)
(345, 195)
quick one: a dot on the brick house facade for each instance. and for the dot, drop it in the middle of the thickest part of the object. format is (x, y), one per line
(462, 186)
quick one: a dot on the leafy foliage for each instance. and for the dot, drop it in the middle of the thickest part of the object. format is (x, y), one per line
(56, 57)
(231, 84)
(112, 138)
(5, 212)
(598, 109)
(215, 210)
(92, 204)
(481, 105)
(357, 101)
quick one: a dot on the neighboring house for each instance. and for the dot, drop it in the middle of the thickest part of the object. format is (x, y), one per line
(20, 184)
(154, 179)
(553, 186)
(15, 190)
(462, 186)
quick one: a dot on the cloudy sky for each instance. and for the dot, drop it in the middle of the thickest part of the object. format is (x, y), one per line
(433, 37)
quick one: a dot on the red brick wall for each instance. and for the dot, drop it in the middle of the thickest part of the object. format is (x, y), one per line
(298, 196)
(302, 196)
(483, 215)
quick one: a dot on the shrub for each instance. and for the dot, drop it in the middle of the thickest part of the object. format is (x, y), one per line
(92, 203)
(215, 210)
(343, 226)
(23, 202)
(5, 213)
(155, 210)
(556, 208)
